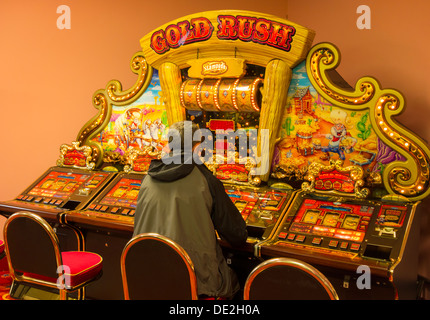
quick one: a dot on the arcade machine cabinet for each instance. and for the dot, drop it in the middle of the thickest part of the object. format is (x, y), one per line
(216, 83)
(361, 177)
(297, 117)
(59, 189)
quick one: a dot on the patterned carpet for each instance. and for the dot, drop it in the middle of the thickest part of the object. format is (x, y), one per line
(5, 280)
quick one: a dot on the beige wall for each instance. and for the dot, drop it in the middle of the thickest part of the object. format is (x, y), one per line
(48, 76)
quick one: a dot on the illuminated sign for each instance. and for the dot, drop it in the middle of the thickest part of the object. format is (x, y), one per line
(244, 28)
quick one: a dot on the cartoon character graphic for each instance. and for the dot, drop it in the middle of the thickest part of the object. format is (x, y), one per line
(135, 130)
(128, 127)
(147, 139)
(155, 129)
(340, 140)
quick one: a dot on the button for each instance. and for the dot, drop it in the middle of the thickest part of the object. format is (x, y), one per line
(316, 241)
(104, 208)
(20, 197)
(354, 246)
(58, 202)
(46, 201)
(114, 210)
(291, 236)
(125, 211)
(97, 208)
(52, 201)
(131, 213)
(300, 238)
(333, 243)
(39, 199)
(29, 198)
(92, 206)
(344, 245)
(282, 235)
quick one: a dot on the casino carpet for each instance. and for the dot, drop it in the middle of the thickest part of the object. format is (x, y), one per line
(5, 280)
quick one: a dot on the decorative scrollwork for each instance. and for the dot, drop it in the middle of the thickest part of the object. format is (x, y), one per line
(408, 178)
(103, 100)
(114, 88)
(93, 125)
(399, 174)
(326, 58)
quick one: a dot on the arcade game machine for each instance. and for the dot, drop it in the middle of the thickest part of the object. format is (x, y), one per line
(208, 68)
(230, 76)
(362, 176)
(319, 170)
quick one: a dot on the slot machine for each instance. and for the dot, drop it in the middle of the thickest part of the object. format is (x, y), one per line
(57, 190)
(69, 185)
(361, 176)
(217, 83)
(319, 170)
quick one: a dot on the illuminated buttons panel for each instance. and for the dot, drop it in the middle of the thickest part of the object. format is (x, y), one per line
(44, 200)
(317, 241)
(112, 210)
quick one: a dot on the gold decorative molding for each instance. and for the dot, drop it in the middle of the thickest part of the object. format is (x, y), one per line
(139, 66)
(409, 178)
(351, 176)
(220, 163)
(76, 156)
(103, 100)
(138, 160)
(326, 58)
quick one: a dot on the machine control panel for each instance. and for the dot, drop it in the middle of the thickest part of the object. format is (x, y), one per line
(64, 188)
(261, 208)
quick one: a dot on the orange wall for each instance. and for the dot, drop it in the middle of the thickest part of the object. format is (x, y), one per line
(48, 76)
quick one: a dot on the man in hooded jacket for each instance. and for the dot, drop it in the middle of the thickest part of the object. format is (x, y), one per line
(184, 201)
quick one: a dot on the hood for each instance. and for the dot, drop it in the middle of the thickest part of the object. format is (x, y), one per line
(172, 171)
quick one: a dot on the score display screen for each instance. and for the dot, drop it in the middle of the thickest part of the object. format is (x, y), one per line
(330, 219)
(61, 185)
(123, 194)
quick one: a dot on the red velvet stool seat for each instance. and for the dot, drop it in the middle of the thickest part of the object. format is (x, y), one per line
(78, 267)
(84, 266)
(34, 257)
